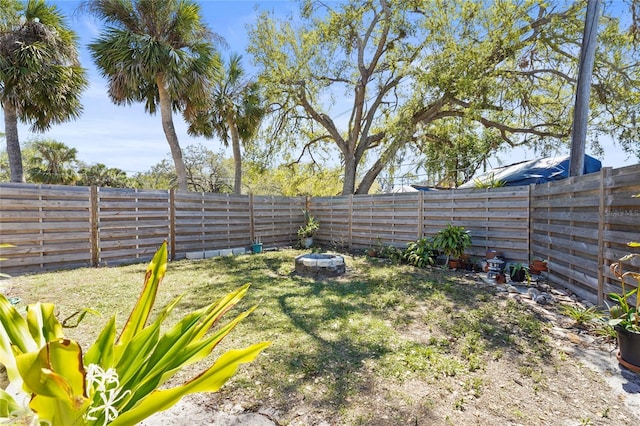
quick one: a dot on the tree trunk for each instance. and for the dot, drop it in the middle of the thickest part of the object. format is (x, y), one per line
(350, 168)
(583, 89)
(237, 155)
(13, 143)
(170, 133)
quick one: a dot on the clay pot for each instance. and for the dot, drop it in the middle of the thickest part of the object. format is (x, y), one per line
(538, 265)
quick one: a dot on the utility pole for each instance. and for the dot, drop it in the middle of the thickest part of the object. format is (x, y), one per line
(583, 88)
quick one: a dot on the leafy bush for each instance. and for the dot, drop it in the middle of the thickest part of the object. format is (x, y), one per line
(117, 380)
(452, 240)
(420, 253)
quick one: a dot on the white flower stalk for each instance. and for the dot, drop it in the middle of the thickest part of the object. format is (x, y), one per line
(106, 393)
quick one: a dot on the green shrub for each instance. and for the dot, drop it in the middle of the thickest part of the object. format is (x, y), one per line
(420, 253)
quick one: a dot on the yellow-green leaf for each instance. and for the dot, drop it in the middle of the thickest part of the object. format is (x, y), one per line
(15, 327)
(209, 381)
(8, 405)
(101, 352)
(43, 324)
(140, 313)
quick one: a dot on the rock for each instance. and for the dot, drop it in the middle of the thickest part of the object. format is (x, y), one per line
(533, 292)
(544, 298)
(512, 289)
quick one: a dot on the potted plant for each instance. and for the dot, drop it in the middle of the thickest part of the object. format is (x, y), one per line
(625, 315)
(538, 266)
(308, 229)
(256, 245)
(452, 241)
(519, 272)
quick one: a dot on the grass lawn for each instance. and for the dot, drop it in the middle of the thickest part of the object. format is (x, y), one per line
(383, 344)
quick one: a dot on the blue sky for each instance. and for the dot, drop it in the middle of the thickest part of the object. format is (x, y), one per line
(132, 140)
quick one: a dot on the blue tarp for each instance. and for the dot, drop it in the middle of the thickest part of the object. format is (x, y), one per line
(533, 171)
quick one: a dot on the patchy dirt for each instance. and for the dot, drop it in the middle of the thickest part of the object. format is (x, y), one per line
(579, 383)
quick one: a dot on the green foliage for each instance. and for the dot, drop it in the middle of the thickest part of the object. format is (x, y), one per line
(118, 380)
(517, 269)
(235, 111)
(454, 80)
(452, 240)
(624, 313)
(206, 172)
(420, 253)
(41, 80)
(160, 176)
(158, 53)
(101, 175)
(581, 315)
(53, 163)
(310, 226)
(293, 180)
(491, 182)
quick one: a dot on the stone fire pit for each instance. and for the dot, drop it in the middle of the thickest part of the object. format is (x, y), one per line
(318, 265)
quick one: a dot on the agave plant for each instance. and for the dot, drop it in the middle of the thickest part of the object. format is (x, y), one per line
(117, 380)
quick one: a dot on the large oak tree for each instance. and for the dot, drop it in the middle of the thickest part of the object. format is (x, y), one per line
(372, 78)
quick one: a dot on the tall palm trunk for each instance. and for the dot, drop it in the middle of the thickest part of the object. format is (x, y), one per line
(13, 143)
(170, 132)
(237, 155)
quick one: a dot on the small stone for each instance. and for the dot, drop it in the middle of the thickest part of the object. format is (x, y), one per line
(544, 299)
(533, 293)
(512, 289)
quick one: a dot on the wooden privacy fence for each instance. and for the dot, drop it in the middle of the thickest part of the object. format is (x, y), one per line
(495, 218)
(580, 225)
(56, 227)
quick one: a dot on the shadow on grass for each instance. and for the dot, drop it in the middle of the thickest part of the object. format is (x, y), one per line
(334, 339)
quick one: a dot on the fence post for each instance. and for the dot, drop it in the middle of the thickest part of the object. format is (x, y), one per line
(420, 213)
(172, 223)
(604, 174)
(252, 219)
(350, 222)
(530, 222)
(94, 226)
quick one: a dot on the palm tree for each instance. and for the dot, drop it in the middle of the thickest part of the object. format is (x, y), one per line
(53, 163)
(236, 111)
(101, 175)
(156, 52)
(40, 77)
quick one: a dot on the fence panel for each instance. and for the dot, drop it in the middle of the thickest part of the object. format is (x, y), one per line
(276, 220)
(206, 221)
(49, 225)
(582, 224)
(389, 219)
(334, 215)
(496, 218)
(132, 224)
